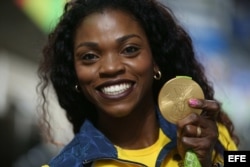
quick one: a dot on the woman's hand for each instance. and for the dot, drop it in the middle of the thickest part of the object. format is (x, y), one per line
(199, 132)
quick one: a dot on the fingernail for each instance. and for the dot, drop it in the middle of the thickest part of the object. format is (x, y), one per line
(193, 102)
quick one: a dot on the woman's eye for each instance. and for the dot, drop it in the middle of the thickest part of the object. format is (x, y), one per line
(89, 57)
(130, 50)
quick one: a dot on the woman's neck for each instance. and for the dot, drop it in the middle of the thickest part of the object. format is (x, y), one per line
(138, 130)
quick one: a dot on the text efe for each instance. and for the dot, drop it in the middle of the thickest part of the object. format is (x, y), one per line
(237, 158)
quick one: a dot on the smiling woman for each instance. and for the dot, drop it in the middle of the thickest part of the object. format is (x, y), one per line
(107, 61)
(113, 64)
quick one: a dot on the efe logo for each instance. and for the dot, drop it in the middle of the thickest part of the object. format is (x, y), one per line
(237, 159)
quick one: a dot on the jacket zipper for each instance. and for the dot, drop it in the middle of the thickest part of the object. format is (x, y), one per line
(85, 162)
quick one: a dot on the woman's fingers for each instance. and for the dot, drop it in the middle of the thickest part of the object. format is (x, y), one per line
(196, 144)
(193, 131)
(186, 125)
(199, 132)
(195, 125)
(211, 108)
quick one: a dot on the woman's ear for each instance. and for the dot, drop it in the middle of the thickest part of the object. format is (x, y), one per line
(156, 68)
(157, 72)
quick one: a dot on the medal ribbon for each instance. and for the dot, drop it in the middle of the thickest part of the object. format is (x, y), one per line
(191, 160)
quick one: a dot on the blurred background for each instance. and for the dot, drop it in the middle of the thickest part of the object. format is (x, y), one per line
(221, 34)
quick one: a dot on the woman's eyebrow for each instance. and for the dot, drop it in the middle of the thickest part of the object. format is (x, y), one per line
(118, 40)
(126, 37)
(87, 44)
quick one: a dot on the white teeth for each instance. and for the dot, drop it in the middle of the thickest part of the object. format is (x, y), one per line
(116, 89)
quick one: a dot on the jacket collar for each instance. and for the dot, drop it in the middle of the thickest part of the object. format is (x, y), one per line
(90, 144)
(87, 146)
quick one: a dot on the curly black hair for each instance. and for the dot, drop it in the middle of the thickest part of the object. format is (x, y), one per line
(170, 44)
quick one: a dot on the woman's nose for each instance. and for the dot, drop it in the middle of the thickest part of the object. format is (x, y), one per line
(111, 66)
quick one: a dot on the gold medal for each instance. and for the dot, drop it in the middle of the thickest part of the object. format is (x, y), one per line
(174, 95)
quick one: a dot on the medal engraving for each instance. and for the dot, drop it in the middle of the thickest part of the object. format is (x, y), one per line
(174, 95)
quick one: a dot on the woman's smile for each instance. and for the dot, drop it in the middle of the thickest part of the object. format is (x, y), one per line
(116, 90)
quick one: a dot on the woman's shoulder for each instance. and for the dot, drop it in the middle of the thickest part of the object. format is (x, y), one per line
(86, 145)
(67, 154)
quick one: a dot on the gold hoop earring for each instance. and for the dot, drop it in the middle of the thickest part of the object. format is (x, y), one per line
(157, 76)
(77, 89)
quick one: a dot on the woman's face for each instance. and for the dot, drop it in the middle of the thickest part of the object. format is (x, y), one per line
(113, 63)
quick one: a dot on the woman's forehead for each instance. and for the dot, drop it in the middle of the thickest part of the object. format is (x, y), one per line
(109, 20)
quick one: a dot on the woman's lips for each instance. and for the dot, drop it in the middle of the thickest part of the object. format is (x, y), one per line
(116, 90)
